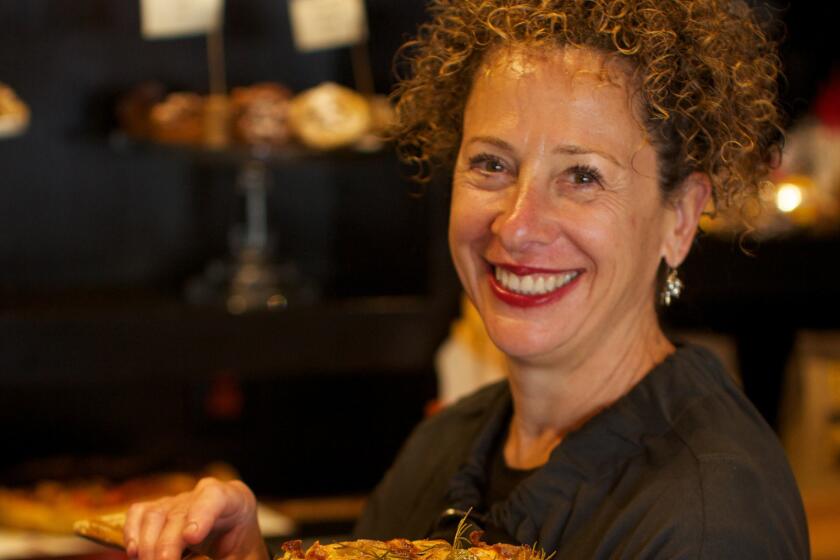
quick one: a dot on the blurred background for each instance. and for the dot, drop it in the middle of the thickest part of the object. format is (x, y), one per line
(133, 340)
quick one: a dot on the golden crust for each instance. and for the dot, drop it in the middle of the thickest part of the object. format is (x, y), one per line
(106, 529)
(403, 549)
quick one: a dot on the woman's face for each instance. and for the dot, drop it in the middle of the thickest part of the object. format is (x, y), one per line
(557, 225)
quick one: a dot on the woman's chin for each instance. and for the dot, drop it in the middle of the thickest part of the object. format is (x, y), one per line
(520, 343)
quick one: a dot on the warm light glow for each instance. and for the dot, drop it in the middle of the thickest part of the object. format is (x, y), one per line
(788, 197)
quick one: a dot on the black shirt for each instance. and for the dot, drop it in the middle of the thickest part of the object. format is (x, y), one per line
(501, 478)
(681, 467)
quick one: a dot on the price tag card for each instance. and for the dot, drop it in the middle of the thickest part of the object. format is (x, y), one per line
(327, 24)
(163, 19)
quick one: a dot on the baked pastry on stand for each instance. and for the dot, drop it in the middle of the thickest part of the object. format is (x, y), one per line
(329, 116)
(14, 114)
(260, 115)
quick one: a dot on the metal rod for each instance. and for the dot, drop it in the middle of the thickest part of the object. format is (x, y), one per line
(253, 180)
(362, 73)
(216, 59)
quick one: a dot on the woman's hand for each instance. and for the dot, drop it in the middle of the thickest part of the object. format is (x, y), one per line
(216, 518)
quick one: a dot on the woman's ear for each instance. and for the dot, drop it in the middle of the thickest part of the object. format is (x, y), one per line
(687, 203)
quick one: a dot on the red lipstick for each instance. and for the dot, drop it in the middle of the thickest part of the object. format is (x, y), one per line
(523, 300)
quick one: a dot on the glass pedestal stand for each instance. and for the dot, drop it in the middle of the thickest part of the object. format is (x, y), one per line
(250, 280)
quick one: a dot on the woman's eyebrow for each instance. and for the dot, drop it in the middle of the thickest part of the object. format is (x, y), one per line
(573, 149)
(569, 149)
(493, 141)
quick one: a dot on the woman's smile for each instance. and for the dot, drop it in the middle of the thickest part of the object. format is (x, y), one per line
(528, 287)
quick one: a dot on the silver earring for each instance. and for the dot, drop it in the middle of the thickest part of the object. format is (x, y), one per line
(672, 289)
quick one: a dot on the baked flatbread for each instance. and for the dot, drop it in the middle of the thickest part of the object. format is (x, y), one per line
(403, 549)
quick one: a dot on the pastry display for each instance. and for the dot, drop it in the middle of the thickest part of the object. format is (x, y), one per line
(266, 115)
(329, 116)
(14, 114)
(260, 114)
(179, 119)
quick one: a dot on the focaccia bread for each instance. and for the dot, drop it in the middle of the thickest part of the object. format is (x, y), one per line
(403, 549)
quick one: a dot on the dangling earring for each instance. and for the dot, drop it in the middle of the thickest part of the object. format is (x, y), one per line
(672, 289)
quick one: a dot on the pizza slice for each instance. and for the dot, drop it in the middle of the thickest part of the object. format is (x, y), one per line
(404, 549)
(106, 529)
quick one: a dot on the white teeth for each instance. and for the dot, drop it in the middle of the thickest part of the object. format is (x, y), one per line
(533, 284)
(527, 284)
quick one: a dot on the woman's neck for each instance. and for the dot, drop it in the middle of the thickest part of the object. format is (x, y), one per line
(552, 400)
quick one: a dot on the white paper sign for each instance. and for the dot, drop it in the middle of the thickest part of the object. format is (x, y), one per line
(163, 19)
(327, 24)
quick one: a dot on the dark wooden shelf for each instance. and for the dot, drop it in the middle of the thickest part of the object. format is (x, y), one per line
(141, 337)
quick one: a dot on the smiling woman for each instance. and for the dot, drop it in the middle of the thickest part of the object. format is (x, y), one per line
(556, 182)
(587, 136)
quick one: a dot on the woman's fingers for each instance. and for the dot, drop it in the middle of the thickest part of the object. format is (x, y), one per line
(170, 542)
(151, 525)
(212, 514)
(131, 529)
(208, 510)
(233, 506)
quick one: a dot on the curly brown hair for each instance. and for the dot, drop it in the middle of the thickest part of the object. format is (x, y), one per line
(706, 72)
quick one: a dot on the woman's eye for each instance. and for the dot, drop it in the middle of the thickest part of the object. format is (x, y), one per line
(487, 164)
(585, 175)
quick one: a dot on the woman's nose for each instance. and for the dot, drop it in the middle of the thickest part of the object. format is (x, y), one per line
(527, 219)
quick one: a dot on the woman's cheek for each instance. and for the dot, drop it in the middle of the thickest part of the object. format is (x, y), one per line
(597, 229)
